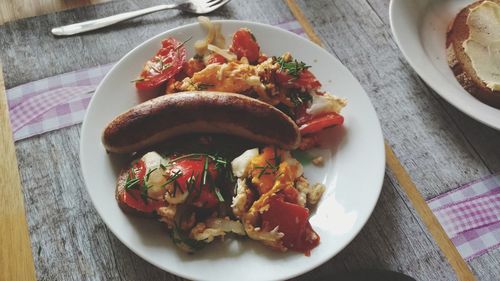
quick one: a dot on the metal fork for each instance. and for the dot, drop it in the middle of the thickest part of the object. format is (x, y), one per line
(198, 7)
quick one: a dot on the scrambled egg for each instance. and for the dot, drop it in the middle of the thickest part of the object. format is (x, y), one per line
(269, 172)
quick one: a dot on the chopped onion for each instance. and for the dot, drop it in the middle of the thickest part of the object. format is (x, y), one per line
(225, 53)
(214, 35)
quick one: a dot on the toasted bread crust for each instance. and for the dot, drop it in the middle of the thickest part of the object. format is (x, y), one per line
(168, 116)
(461, 64)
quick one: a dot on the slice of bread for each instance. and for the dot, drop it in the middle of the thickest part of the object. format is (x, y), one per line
(461, 64)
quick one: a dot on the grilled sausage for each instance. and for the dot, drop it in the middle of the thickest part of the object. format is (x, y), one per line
(169, 116)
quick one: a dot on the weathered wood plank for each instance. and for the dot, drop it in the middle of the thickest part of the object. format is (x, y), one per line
(16, 262)
(17, 9)
(423, 130)
(381, 8)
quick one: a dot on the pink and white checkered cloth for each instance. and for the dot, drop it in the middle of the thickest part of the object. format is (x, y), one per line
(61, 101)
(470, 215)
(52, 103)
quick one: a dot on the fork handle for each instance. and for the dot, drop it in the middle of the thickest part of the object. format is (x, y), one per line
(107, 21)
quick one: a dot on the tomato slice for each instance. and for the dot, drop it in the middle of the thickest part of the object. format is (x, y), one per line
(202, 195)
(292, 221)
(320, 122)
(306, 80)
(133, 197)
(216, 58)
(167, 62)
(245, 45)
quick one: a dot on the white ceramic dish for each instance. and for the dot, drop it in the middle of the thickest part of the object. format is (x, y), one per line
(419, 28)
(353, 173)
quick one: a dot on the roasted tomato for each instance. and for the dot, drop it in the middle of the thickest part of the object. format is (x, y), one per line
(311, 124)
(198, 177)
(291, 220)
(215, 58)
(245, 45)
(305, 80)
(320, 122)
(167, 62)
(191, 67)
(134, 198)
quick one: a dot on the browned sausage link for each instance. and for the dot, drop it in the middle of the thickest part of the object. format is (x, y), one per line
(169, 116)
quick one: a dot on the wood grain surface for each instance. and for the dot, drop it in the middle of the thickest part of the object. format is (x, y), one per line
(439, 146)
(16, 262)
(17, 9)
(460, 267)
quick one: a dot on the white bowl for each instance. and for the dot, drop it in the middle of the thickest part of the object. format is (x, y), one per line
(353, 172)
(419, 28)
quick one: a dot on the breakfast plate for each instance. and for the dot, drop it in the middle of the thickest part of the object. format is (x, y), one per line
(419, 28)
(353, 171)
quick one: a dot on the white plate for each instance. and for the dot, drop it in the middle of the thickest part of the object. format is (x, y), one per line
(353, 175)
(419, 28)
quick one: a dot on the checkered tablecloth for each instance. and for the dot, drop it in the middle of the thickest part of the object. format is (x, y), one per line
(470, 215)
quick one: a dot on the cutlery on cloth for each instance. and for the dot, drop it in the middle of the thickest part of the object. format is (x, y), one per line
(198, 7)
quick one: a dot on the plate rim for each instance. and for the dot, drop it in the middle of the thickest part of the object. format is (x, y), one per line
(380, 166)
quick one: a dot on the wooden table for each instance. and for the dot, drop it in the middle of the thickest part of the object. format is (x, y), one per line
(431, 147)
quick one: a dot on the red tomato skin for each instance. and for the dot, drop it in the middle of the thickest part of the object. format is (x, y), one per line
(292, 221)
(320, 122)
(133, 197)
(191, 67)
(203, 197)
(262, 58)
(245, 45)
(216, 58)
(306, 80)
(172, 54)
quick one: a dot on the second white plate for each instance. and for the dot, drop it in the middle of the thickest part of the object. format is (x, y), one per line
(419, 28)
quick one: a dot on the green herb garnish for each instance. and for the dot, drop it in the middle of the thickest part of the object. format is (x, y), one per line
(299, 98)
(172, 178)
(218, 194)
(140, 79)
(131, 183)
(205, 171)
(293, 68)
(203, 86)
(183, 42)
(149, 173)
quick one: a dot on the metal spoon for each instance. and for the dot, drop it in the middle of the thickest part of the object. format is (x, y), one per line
(198, 7)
